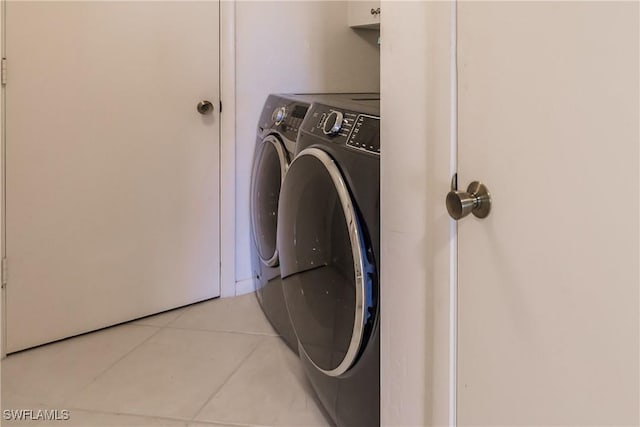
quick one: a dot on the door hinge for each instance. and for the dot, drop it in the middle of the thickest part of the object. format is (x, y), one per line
(4, 272)
(220, 107)
(3, 78)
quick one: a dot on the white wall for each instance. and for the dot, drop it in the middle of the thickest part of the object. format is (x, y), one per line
(290, 46)
(415, 275)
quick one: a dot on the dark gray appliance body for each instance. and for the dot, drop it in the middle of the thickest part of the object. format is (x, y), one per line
(329, 248)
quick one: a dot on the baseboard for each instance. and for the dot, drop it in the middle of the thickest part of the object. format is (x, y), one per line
(245, 286)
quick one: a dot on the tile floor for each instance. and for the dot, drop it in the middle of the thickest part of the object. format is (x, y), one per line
(216, 363)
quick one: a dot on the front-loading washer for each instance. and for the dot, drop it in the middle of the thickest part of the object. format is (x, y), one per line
(329, 250)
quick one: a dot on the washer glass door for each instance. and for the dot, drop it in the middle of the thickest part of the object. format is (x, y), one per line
(269, 166)
(326, 279)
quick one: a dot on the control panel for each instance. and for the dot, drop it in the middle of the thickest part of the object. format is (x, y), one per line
(355, 130)
(286, 118)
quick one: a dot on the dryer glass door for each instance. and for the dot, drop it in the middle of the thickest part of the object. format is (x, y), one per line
(326, 278)
(269, 166)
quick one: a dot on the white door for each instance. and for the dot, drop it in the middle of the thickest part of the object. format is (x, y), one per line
(548, 283)
(112, 176)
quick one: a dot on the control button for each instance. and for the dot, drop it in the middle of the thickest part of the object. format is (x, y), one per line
(279, 115)
(333, 123)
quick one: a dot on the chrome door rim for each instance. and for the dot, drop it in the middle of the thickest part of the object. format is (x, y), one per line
(284, 165)
(355, 238)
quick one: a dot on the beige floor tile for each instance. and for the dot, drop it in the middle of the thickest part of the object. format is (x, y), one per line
(270, 388)
(171, 375)
(79, 418)
(50, 374)
(12, 401)
(238, 314)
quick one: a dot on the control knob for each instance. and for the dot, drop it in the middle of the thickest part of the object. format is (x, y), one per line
(333, 123)
(279, 115)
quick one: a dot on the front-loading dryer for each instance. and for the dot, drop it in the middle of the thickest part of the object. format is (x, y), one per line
(329, 251)
(277, 130)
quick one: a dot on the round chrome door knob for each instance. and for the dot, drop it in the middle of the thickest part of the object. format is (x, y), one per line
(333, 123)
(205, 107)
(476, 200)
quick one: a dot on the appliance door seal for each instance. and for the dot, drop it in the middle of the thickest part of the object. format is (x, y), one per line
(269, 168)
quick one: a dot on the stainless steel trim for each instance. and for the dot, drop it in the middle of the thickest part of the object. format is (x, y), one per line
(355, 237)
(337, 123)
(284, 165)
(279, 114)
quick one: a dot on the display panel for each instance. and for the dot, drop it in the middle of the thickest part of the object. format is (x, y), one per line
(299, 111)
(366, 134)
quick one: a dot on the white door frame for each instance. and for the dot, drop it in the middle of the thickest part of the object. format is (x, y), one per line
(418, 283)
(227, 149)
(227, 158)
(3, 311)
